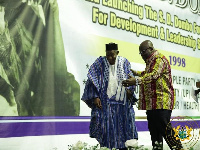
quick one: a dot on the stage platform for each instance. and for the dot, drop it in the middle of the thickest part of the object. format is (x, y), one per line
(56, 133)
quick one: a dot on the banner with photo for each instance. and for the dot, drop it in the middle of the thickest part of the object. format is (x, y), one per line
(47, 47)
(34, 78)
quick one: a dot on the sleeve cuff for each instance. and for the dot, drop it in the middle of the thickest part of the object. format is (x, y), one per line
(138, 80)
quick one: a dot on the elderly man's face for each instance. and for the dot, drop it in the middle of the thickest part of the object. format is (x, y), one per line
(111, 56)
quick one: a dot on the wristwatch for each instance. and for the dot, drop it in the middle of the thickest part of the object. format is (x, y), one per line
(137, 80)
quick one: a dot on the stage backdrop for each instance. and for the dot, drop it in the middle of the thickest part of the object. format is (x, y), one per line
(47, 47)
(172, 26)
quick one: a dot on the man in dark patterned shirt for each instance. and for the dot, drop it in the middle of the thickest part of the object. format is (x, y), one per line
(156, 95)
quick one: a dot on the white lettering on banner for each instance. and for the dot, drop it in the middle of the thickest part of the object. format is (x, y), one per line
(194, 5)
(184, 3)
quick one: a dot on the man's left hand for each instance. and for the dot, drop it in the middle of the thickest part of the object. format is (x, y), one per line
(129, 82)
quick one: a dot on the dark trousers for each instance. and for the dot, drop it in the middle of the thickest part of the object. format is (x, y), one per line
(160, 127)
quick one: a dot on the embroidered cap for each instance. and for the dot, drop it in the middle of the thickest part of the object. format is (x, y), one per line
(111, 46)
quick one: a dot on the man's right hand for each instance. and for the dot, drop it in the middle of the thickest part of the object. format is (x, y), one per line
(97, 102)
(129, 82)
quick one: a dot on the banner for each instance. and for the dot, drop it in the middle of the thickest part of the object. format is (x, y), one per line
(34, 78)
(47, 47)
(172, 26)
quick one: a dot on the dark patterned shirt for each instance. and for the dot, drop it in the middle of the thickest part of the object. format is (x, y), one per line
(156, 89)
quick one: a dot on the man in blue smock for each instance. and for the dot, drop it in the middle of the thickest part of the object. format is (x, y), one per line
(112, 116)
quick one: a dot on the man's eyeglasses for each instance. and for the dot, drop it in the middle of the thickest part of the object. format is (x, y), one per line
(144, 50)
